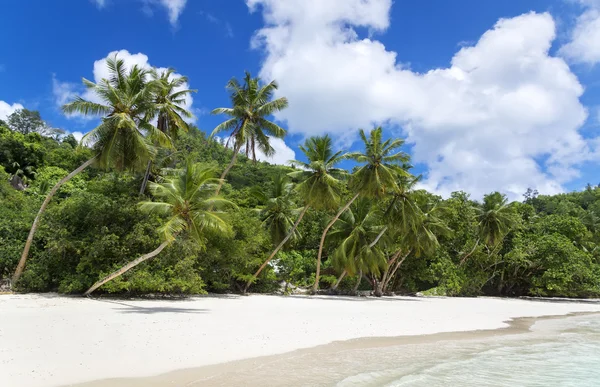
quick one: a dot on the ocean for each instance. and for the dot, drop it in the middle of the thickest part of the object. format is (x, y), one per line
(557, 352)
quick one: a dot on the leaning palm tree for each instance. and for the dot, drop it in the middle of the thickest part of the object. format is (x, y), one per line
(123, 140)
(401, 211)
(278, 208)
(382, 165)
(353, 233)
(247, 125)
(187, 198)
(495, 220)
(319, 185)
(419, 239)
(169, 108)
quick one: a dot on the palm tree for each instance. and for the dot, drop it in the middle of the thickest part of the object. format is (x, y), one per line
(123, 138)
(319, 185)
(382, 165)
(278, 210)
(187, 198)
(247, 125)
(169, 101)
(419, 239)
(495, 218)
(353, 232)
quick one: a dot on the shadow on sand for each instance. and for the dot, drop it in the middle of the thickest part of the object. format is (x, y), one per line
(151, 309)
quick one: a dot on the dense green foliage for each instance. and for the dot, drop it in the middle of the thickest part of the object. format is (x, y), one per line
(544, 246)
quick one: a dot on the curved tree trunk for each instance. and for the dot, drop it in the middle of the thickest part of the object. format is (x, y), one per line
(279, 246)
(339, 280)
(236, 149)
(379, 291)
(146, 177)
(357, 284)
(393, 272)
(462, 261)
(378, 237)
(324, 235)
(38, 218)
(125, 268)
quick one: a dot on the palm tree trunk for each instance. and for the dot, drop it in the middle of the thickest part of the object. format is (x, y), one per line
(389, 265)
(279, 246)
(393, 272)
(462, 261)
(378, 237)
(146, 177)
(38, 218)
(357, 284)
(325, 231)
(339, 280)
(126, 268)
(377, 288)
(236, 149)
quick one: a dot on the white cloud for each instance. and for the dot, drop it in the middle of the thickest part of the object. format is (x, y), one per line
(283, 153)
(78, 136)
(65, 91)
(8, 109)
(100, 3)
(584, 42)
(480, 124)
(174, 8)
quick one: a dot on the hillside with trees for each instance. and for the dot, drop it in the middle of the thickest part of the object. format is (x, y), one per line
(148, 203)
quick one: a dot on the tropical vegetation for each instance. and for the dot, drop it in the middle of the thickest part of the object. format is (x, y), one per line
(73, 218)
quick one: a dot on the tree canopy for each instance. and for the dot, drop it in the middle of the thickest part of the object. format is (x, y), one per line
(267, 224)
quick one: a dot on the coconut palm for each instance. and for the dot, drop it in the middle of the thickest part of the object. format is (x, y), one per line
(353, 233)
(419, 239)
(382, 165)
(169, 102)
(277, 212)
(319, 185)
(187, 198)
(123, 138)
(247, 125)
(495, 218)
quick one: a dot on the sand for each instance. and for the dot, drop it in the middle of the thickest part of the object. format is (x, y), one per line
(46, 340)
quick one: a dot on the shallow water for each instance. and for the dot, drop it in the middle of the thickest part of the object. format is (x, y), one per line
(563, 352)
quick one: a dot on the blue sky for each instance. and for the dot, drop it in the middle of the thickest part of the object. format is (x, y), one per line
(491, 95)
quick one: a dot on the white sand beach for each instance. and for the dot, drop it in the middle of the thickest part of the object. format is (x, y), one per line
(47, 340)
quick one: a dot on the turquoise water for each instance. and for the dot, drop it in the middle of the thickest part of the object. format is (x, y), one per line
(563, 352)
(560, 352)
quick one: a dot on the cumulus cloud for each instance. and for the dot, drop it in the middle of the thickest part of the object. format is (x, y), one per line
(65, 91)
(283, 153)
(504, 115)
(584, 42)
(7, 109)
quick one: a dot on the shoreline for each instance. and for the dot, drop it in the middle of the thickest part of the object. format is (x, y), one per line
(205, 375)
(73, 341)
